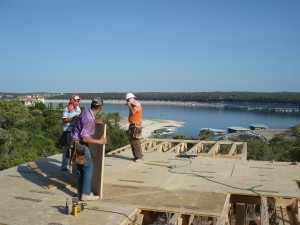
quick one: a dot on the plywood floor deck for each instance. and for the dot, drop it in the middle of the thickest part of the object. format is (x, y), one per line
(162, 181)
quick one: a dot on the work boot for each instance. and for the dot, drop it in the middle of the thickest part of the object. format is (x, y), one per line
(139, 160)
(90, 197)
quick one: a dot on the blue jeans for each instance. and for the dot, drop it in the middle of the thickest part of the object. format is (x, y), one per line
(65, 161)
(84, 175)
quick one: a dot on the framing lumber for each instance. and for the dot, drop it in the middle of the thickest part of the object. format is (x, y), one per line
(233, 149)
(176, 219)
(133, 217)
(160, 147)
(264, 213)
(165, 145)
(191, 219)
(240, 214)
(197, 148)
(215, 149)
(244, 151)
(180, 147)
(223, 219)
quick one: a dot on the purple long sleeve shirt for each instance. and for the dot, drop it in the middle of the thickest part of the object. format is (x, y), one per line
(84, 125)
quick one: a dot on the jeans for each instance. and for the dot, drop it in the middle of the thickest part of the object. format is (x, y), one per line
(65, 161)
(84, 175)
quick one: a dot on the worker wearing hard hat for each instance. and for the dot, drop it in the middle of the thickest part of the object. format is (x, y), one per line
(135, 126)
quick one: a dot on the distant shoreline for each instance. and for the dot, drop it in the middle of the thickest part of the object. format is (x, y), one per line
(247, 106)
(122, 102)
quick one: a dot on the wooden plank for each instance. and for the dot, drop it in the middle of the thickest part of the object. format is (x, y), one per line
(264, 213)
(223, 219)
(174, 149)
(175, 218)
(283, 216)
(119, 150)
(131, 217)
(148, 144)
(232, 149)
(240, 214)
(191, 219)
(244, 151)
(158, 147)
(98, 152)
(144, 142)
(139, 219)
(197, 148)
(215, 149)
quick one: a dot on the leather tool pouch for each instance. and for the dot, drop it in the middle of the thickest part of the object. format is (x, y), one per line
(136, 130)
(76, 152)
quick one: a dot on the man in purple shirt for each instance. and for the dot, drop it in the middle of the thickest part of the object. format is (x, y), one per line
(82, 131)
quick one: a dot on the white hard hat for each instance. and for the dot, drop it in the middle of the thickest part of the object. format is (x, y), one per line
(129, 95)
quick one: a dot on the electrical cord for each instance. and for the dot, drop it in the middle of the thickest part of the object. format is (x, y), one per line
(206, 178)
(108, 211)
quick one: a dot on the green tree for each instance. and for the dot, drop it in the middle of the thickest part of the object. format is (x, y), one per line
(116, 137)
(296, 130)
(13, 114)
(281, 148)
(39, 105)
(183, 137)
(259, 150)
(206, 134)
(24, 136)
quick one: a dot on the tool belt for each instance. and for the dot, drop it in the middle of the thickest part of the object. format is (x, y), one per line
(76, 152)
(135, 130)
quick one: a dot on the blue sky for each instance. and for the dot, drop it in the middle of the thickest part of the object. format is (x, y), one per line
(149, 45)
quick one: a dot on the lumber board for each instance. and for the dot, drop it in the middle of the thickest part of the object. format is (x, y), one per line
(98, 153)
(215, 149)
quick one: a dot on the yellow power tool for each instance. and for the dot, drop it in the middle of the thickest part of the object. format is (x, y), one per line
(73, 206)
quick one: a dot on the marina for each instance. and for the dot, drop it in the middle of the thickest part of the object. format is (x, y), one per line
(165, 131)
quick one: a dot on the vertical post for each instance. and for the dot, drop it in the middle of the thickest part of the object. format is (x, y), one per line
(240, 214)
(264, 214)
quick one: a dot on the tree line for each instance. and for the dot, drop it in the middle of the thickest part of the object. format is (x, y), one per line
(31, 133)
(278, 97)
(226, 97)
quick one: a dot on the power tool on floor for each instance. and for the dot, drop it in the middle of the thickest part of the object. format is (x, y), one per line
(73, 206)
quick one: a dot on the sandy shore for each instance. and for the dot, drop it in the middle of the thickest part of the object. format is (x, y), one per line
(150, 125)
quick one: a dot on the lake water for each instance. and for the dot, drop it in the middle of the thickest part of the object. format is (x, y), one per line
(196, 118)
